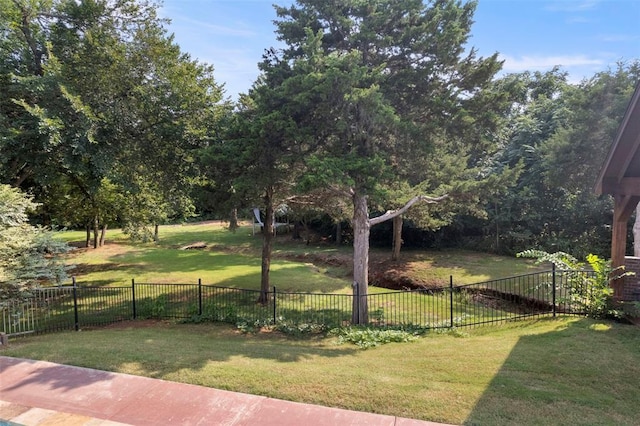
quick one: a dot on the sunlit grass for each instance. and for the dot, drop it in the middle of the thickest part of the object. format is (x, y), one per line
(569, 371)
(233, 259)
(230, 259)
(466, 267)
(565, 371)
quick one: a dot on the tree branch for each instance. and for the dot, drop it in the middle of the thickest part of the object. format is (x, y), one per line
(390, 214)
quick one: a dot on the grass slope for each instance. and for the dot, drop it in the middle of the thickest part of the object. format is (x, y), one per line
(547, 372)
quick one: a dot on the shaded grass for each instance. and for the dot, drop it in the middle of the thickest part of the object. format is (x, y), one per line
(565, 371)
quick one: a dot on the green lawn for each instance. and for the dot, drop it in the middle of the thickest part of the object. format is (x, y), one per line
(233, 259)
(547, 372)
(564, 371)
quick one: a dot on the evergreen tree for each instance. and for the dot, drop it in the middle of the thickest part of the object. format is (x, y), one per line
(393, 81)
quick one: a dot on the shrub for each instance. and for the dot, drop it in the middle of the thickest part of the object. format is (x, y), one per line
(589, 284)
(29, 256)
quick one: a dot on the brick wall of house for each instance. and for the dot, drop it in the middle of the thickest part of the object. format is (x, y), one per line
(632, 283)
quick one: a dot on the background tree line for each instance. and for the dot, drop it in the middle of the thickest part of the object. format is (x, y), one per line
(555, 136)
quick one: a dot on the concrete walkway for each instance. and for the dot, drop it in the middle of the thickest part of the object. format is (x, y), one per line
(43, 393)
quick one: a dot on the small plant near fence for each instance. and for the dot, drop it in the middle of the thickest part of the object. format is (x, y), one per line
(590, 292)
(367, 337)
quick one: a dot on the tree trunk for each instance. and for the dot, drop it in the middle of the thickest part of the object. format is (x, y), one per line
(156, 233)
(307, 231)
(297, 234)
(96, 228)
(88, 240)
(497, 229)
(361, 228)
(267, 246)
(103, 234)
(339, 233)
(397, 238)
(636, 233)
(233, 220)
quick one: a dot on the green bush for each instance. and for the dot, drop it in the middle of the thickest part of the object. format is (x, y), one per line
(589, 284)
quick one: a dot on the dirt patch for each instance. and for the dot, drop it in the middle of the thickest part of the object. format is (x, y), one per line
(398, 275)
(108, 248)
(337, 260)
(509, 302)
(146, 323)
(383, 272)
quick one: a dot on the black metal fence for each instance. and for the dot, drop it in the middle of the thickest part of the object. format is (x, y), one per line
(75, 307)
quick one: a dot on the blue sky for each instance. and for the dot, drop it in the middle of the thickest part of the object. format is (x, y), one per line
(582, 36)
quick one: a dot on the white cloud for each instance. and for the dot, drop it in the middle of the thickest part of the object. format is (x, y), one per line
(572, 5)
(213, 29)
(579, 20)
(525, 63)
(618, 38)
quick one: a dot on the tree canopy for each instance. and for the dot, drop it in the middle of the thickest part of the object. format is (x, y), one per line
(100, 95)
(392, 80)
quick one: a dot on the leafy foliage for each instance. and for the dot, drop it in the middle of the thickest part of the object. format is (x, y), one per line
(100, 98)
(589, 283)
(559, 134)
(27, 253)
(366, 337)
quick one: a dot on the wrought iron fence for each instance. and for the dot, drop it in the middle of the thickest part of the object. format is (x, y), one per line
(74, 307)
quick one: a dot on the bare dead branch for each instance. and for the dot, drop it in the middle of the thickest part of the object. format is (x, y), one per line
(390, 214)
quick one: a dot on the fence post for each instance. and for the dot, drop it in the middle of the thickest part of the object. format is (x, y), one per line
(357, 303)
(451, 299)
(274, 304)
(133, 296)
(76, 325)
(200, 296)
(553, 285)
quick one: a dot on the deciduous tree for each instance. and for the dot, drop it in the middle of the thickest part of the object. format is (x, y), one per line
(107, 96)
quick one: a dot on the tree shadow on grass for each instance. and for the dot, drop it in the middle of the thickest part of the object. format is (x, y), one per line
(160, 349)
(583, 374)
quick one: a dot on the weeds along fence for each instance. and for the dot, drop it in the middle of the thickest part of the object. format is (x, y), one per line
(75, 307)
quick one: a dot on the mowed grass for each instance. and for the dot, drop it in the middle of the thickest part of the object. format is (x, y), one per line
(233, 259)
(547, 372)
(466, 267)
(230, 259)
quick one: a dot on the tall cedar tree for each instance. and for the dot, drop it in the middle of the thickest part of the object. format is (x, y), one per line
(394, 78)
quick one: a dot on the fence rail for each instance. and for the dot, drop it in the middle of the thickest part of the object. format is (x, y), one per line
(74, 307)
